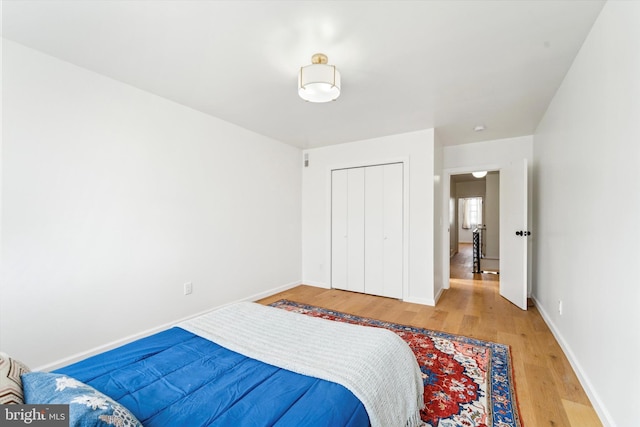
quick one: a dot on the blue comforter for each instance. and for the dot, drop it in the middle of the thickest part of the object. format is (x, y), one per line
(176, 378)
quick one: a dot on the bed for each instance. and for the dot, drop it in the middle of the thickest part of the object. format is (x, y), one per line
(245, 365)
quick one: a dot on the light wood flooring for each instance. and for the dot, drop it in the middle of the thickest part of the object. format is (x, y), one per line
(548, 390)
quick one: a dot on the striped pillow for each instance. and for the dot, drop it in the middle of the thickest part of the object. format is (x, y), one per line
(10, 382)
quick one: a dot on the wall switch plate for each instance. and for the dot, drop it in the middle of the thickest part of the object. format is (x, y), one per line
(560, 307)
(188, 288)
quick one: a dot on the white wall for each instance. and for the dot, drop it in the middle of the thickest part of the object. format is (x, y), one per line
(587, 153)
(452, 228)
(417, 150)
(439, 204)
(492, 216)
(492, 154)
(112, 198)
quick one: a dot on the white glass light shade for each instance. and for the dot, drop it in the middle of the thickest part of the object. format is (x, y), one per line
(319, 83)
(479, 174)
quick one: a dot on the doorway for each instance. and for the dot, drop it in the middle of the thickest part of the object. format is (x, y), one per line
(474, 215)
(514, 241)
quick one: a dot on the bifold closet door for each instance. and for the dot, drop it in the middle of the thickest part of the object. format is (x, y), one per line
(383, 230)
(347, 229)
(367, 229)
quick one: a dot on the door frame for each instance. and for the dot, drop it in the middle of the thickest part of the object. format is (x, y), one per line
(446, 193)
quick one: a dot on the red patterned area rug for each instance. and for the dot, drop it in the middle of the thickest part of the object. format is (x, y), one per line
(467, 382)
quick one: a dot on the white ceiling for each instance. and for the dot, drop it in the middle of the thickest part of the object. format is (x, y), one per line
(405, 65)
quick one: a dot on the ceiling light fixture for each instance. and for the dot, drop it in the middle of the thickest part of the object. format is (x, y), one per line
(479, 128)
(319, 82)
(479, 174)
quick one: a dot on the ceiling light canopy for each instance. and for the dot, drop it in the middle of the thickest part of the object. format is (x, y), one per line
(319, 82)
(479, 174)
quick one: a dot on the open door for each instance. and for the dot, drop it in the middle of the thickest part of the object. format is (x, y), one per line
(514, 233)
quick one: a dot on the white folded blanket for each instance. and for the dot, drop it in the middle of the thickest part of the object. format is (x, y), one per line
(375, 364)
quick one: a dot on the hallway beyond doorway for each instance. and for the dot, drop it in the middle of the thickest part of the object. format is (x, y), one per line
(461, 266)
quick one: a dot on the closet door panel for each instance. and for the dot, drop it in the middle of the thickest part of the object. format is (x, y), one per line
(339, 223)
(374, 230)
(393, 230)
(355, 230)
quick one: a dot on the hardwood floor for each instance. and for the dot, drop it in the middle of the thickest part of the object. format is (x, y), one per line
(548, 390)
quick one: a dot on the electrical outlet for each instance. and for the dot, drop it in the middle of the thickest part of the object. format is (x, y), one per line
(560, 307)
(188, 288)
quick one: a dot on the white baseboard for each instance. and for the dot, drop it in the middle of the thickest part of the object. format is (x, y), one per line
(437, 298)
(117, 343)
(594, 397)
(270, 292)
(423, 301)
(316, 284)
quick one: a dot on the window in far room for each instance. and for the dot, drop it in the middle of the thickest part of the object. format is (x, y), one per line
(471, 212)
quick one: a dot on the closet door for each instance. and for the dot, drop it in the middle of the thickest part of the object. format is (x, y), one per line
(384, 230)
(339, 223)
(347, 229)
(355, 230)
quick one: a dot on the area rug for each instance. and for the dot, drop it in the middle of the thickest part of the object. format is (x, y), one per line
(467, 382)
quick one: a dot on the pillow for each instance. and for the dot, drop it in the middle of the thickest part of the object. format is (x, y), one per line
(87, 406)
(10, 383)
